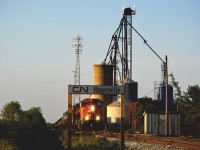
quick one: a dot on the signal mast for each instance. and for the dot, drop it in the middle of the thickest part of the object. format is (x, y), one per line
(78, 50)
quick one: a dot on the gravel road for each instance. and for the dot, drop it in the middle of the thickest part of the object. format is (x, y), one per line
(134, 145)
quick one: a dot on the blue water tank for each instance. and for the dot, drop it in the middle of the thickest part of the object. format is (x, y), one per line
(170, 96)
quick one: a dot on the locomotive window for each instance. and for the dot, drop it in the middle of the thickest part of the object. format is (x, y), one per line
(83, 104)
(94, 102)
(97, 103)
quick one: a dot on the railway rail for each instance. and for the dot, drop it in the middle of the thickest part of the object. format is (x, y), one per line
(188, 144)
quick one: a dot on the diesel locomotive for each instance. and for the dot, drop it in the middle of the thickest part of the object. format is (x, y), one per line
(87, 114)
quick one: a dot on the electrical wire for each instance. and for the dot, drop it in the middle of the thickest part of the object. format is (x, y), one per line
(151, 91)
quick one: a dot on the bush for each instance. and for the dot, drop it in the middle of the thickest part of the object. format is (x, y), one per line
(40, 139)
(85, 141)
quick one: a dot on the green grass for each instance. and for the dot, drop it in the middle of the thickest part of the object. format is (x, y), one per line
(87, 141)
(7, 145)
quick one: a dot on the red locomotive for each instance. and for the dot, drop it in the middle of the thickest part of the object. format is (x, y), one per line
(91, 114)
(88, 114)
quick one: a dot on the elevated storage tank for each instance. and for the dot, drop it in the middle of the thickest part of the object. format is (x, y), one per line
(170, 96)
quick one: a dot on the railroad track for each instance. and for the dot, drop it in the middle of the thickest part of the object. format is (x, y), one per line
(174, 142)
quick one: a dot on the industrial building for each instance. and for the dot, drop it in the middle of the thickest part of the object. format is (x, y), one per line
(154, 123)
(116, 70)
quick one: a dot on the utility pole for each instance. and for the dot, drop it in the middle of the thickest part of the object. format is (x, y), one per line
(69, 122)
(166, 98)
(78, 45)
(122, 146)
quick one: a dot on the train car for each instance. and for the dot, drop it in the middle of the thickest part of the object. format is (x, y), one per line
(91, 114)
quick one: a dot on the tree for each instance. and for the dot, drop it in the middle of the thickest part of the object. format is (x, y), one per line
(27, 129)
(188, 103)
(11, 116)
(193, 95)
(178, 98)
(11, 112)
(192, 105)
(145, 104)
(33, 118)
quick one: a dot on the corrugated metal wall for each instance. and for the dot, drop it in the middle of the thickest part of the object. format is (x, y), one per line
(154, 123)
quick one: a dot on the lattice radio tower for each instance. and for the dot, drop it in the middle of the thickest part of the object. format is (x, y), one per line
(78, 50)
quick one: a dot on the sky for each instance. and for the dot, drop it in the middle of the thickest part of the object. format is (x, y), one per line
(37, 57)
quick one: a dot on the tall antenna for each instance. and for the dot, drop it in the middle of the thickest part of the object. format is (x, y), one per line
(78, 45)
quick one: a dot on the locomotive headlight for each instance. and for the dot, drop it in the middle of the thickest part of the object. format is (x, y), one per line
(87, 118)
(97, 118)
(92, 108)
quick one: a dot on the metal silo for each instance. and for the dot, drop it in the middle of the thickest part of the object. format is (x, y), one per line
(131, 89)
(103, 75)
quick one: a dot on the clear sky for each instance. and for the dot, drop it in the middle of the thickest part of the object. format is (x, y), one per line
(37, 58)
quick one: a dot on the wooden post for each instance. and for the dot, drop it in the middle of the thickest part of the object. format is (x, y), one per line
(122, 122)
(166, 98)
(69, 121)
(105, 116)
